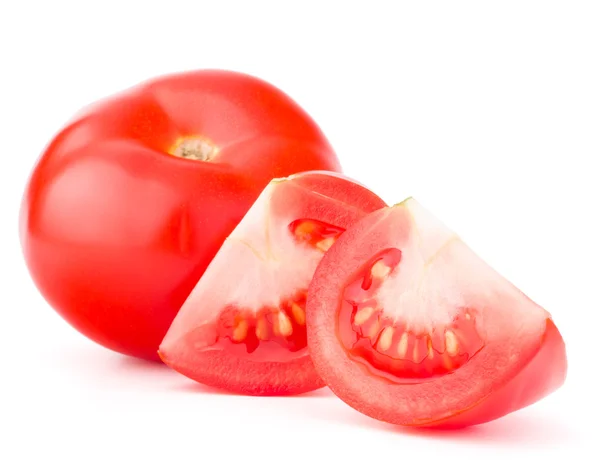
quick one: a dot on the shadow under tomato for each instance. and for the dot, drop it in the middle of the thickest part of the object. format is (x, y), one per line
(520, 428)
(190, 386)
(129, 363)
(526, 427)
(114, 369)
(94, 358)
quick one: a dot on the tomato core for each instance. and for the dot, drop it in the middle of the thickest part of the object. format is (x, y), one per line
(194, 148)
(271, 333)
(387, 346)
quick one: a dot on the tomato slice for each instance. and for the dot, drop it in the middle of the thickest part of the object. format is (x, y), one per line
(408, 325)
(243, 327)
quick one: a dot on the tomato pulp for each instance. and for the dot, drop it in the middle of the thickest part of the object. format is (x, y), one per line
(243, 327)
(408, 325)
(131, 200)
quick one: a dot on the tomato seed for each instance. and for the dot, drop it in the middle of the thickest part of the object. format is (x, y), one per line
(402, 345)
(363, 315)
(451, 343)
(298, 313)
(282, 325)
(380, 270)
(325, 244)
(241, 331)
(385, 340)
(262, 331)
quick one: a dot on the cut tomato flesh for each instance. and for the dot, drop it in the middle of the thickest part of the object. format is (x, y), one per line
(272, 333)
(248, 310)
(318, 234)
(270, 330)
(390, 348)
(408, 325)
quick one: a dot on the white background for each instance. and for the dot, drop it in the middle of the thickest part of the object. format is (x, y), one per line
(487, 112)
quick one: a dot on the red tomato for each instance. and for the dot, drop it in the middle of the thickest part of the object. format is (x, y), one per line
(408, 325)
(131, 200)
(243, 327)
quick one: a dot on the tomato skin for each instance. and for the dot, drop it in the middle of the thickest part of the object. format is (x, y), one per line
(116, 232)
(521, 362)
(544, 373)
(243, 376)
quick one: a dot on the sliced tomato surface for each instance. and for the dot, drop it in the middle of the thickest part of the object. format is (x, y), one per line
(243, 327)
(409, 326)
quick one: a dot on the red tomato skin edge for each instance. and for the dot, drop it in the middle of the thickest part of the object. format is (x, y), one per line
(236, 375)
(542, 375)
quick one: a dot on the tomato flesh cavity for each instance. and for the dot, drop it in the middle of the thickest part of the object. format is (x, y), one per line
(276, 333)
(249, 308)
(266, 331)
(318, 234)
(391, 347)
(409, 326)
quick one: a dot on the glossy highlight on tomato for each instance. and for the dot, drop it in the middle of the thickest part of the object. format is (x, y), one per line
(243, 327)
(132, 199)
(409, 326)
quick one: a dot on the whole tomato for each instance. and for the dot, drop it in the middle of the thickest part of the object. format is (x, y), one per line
(131, 200)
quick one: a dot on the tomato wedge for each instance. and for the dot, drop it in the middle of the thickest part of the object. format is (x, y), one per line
(409, 326)
(243, 327)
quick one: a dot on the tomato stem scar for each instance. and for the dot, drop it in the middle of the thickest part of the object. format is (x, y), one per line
(194, 148)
